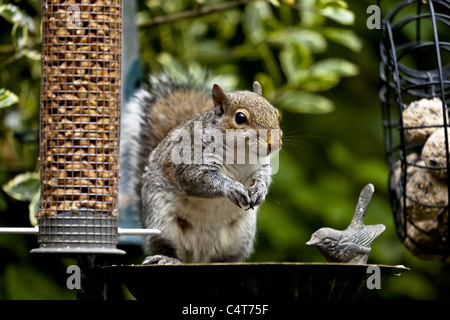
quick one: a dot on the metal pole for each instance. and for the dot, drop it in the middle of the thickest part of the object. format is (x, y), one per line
(120, 231)
(92, 284)
(34, 230)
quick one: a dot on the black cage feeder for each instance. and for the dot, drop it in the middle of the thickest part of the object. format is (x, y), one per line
(415, 75)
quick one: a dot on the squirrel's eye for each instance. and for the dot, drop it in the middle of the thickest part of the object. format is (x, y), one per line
(240, 118)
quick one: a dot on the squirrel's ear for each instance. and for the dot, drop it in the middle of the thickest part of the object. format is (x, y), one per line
(257, 88)
(219, 96)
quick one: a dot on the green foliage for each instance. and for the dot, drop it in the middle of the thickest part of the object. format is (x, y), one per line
(37, 284)
(277, 43)
(7, 98)
(17, 17)
(19, 85)
(26, 187)
(316, 61)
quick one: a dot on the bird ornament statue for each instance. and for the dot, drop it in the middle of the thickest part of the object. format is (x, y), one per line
(351, 245)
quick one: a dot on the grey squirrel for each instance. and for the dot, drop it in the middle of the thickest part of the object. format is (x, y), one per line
(188, 176)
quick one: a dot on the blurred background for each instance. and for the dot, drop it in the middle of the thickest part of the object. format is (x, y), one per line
(317, 61)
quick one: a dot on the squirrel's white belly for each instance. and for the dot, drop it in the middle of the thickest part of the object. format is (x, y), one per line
(205, 228)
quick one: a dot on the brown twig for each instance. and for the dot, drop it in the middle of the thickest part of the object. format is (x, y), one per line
(220, 6)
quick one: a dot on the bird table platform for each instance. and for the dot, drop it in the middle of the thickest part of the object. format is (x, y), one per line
(249, 282)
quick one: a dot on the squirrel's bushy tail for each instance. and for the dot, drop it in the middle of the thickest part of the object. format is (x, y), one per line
(158, 106)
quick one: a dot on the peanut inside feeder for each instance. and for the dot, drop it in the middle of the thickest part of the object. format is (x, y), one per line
(80, 106)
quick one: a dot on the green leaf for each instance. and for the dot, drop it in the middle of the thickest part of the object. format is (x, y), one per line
(7, 98)
(309, 39)
(320, 82)
(207, 50)
(228, 24)
(31, 54)
(320, 76)
(294, 60)
(19, 36)
(33, 207)
(14, 15)
(24, 186)
(308, 17)
(338, 14)
(334, 3)
(197, 29)
(270, 25)
(253, 22)
(335, 66)
(304, 102)
(347, 38)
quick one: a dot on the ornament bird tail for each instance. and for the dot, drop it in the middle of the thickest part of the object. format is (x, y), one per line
(361, 208)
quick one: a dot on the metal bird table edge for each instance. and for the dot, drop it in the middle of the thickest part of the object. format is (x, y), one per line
(236, 282)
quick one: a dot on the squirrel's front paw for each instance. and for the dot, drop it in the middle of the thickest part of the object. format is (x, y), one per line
(258, 191)
(160, 259)
(238, 194)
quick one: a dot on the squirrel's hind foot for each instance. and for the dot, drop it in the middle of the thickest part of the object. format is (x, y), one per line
(160, 259)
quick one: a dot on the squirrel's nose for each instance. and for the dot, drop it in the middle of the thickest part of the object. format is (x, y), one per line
(274, 143)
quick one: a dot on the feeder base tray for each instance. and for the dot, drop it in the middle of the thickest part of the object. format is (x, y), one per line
(82, 232)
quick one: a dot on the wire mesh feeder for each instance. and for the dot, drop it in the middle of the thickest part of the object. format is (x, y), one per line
(415, 75)
(80, 120)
